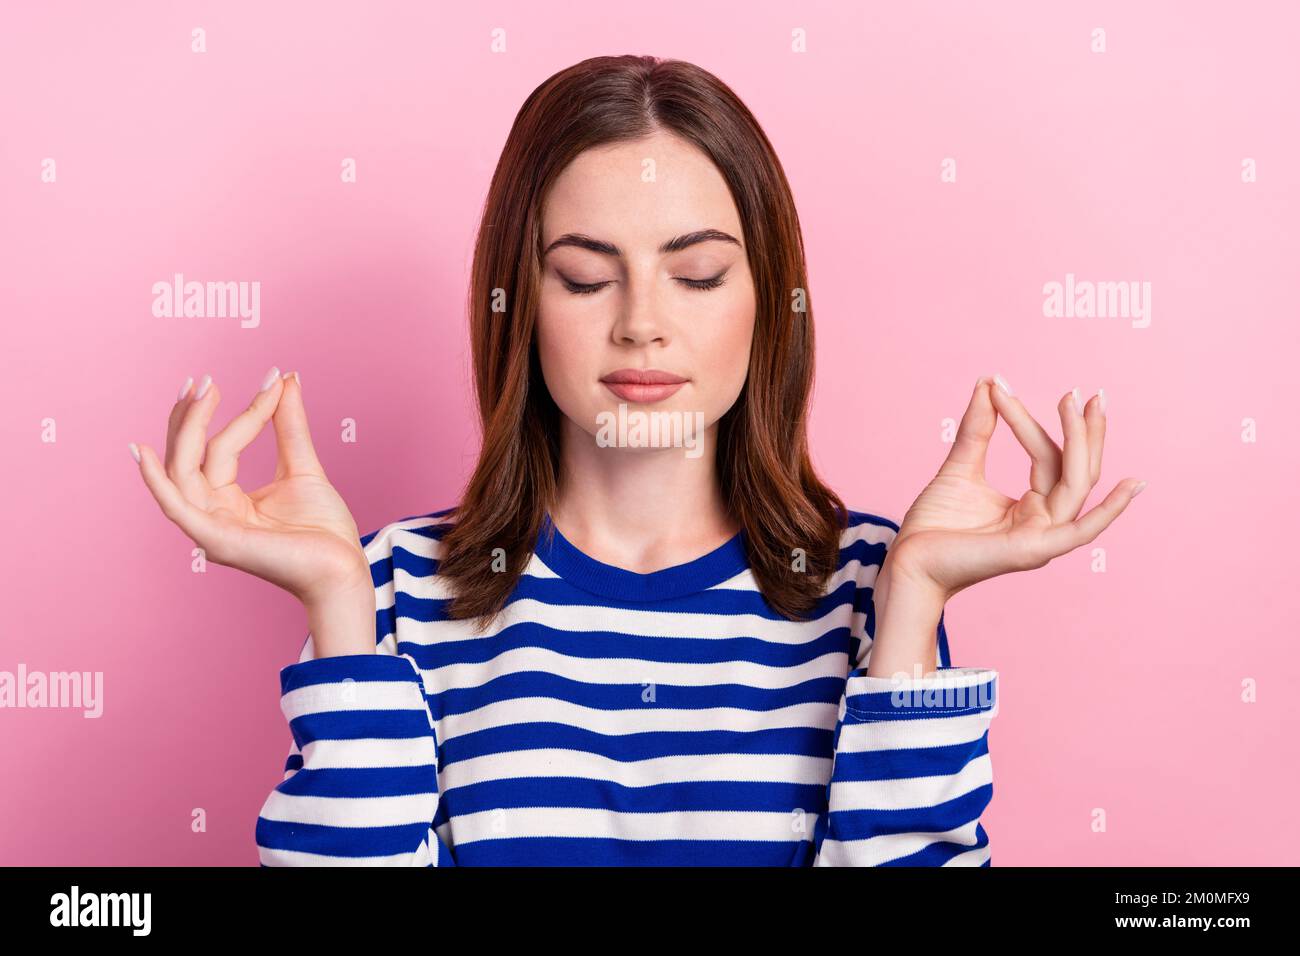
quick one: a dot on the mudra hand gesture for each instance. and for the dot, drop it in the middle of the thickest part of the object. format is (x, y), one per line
(961, 530)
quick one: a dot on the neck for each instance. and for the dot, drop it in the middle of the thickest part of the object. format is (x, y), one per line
(640, 509)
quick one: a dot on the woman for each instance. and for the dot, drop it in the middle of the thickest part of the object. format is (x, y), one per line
(648, 633)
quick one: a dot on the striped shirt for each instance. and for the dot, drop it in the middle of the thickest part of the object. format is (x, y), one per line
(614, 718)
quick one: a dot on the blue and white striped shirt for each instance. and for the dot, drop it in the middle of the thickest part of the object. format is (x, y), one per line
(616, 718)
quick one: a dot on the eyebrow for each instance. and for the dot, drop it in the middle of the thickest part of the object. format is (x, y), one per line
(609, 249)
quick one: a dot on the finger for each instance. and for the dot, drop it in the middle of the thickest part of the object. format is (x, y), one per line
(190, 439)
(221, 464)
(178, 411)
(1094, 414)
(194, 521)
(971, 446)
(1044, 453)
(295, 453)
(1066, 498)
(1063, 538)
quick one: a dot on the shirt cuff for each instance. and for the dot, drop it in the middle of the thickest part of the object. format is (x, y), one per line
(950, 692)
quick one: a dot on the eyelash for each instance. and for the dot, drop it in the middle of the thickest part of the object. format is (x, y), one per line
(702, 284)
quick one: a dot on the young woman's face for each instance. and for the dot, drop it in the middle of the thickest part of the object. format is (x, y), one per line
(613, 300)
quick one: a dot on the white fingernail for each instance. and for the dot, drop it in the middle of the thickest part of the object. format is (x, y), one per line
(297, 377)
(1101, 395)
(204, 384)
(1078, 404)
(135, 451)
(1138, 490)
(1002, 384)
(185, 388)
(271, 376)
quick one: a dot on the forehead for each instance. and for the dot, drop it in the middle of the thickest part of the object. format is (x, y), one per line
(607, 193)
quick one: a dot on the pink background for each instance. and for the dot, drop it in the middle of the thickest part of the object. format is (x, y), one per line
(1120, 690)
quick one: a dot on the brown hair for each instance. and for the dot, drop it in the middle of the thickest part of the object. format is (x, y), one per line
(767, 478)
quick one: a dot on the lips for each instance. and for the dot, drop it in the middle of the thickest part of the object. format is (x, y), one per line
(642, 376)
(643, 385)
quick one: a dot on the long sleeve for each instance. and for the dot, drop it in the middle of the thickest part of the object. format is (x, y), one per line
(361, 784)
(911, 773)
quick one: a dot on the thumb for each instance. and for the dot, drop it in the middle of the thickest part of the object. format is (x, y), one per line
(295, 453)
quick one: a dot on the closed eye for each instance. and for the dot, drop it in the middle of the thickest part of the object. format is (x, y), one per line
(711, 283)
(579, 288)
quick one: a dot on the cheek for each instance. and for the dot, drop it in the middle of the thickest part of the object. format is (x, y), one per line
(557, 333)
(725, 349)
(562, 352)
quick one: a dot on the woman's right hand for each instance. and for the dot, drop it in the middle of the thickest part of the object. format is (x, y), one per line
(295, 532)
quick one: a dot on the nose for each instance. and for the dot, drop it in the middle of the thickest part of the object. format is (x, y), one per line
(640, 319)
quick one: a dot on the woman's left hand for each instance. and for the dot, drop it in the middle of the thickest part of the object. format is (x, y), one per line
(961, 530)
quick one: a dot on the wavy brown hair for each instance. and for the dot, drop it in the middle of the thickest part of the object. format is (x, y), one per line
(767, 478)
